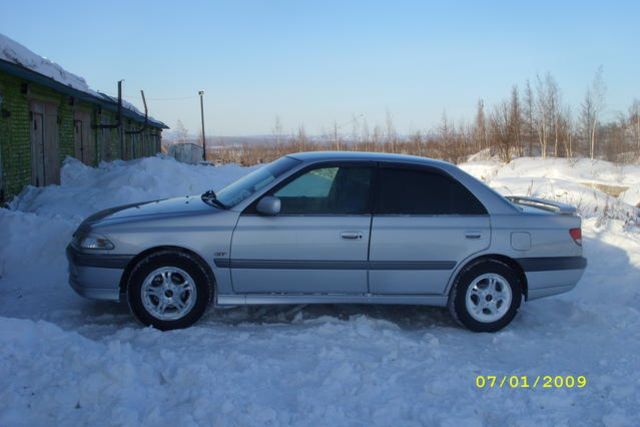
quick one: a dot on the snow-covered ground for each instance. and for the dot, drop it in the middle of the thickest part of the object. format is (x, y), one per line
(69, 361)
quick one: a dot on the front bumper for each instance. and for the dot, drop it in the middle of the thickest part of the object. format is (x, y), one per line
(96, 275)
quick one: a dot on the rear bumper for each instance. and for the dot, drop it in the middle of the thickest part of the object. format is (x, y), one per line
(96, 276)
(553, 275)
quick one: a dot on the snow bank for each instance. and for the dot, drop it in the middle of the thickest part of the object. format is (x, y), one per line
(84, 190)
(632, 195)
(69, 361)
(581, 183)
(578, 170)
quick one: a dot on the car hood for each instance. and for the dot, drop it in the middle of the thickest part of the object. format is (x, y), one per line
(165, 208)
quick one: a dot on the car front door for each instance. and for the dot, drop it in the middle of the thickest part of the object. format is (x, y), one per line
(424, 224)
(317, 244)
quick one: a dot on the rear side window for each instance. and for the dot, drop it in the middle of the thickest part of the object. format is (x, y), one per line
(420, 192)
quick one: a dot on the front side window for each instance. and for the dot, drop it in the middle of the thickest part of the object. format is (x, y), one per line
(340, 190)
(243, 188)
(420, 192)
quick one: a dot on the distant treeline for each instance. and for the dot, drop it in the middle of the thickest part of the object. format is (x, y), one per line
(532, 121)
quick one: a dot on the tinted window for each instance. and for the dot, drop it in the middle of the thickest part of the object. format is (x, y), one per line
(410, 191)
(329, 190)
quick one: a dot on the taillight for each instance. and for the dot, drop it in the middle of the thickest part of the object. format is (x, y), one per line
(576, 235)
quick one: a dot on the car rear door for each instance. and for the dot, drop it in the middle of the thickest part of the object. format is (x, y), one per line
(424, 224)
(317, 244)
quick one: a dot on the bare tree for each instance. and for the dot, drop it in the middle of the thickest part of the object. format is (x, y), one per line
(451, 142)
(182, 134)
(464, 141)
(480, 128)
(391, 135)
(417, 143)
(619, 143)
(301, 138)
(376, 136)
(501, 130)
(634, 122)
(613, 139)
(364, 134)
(553, 103)
(587, 118)
(355, 125)
(515, 120)
(592, 107)
(529, 111)
(277, 130)
(444, 129)
(566, 126)
(542, 115)
(547, 112)
(335, 136)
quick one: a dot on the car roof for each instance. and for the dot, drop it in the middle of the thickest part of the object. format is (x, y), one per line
(313, 156)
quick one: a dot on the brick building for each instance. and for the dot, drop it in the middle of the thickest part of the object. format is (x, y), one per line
(47, 113)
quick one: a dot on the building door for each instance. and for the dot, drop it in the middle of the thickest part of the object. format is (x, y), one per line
(106, 137)
(84, 147)
(45, 157)
(37, 145)
(135, 146)
(78, 136)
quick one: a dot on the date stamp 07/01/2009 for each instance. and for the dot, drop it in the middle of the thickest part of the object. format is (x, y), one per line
(531, 381)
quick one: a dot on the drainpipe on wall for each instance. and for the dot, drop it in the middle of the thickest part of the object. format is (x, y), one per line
(144, 125)
(118, 123)
(121, 136)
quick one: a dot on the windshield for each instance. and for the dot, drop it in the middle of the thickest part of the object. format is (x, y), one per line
(238, 191)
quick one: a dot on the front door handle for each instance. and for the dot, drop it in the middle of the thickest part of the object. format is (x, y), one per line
(473, 235)
(351, 235)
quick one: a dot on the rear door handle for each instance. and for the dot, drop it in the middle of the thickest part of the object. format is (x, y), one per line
(473, 234)
(351, 235)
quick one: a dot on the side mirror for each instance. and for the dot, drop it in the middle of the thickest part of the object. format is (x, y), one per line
(269, 206)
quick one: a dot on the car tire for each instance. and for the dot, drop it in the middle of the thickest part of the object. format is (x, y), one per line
(169, 290)
(486, 296)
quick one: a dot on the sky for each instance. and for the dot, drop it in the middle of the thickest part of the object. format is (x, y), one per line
(316, 63)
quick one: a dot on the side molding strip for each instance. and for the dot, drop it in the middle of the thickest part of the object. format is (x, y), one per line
(280, 264)
(552, 263)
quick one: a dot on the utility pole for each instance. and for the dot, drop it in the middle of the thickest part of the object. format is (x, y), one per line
(120, 121)
(204, 143)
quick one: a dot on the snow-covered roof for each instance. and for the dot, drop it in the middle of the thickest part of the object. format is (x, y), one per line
(15, 53)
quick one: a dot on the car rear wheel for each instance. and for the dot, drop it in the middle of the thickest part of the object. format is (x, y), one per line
(169, 290)
(486, 296)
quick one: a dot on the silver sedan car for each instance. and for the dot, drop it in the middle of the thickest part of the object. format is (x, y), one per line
(332, 227)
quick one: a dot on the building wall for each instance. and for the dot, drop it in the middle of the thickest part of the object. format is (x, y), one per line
(15, 140)
(66, 135)
(14, 137)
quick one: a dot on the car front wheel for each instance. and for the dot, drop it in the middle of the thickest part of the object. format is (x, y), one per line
(169, 290)
(486, 296)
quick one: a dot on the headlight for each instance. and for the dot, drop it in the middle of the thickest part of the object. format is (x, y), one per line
(94, 241)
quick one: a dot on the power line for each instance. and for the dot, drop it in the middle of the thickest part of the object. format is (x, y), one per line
(172, 99)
